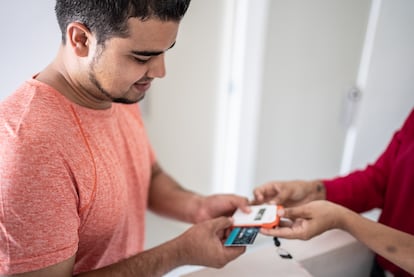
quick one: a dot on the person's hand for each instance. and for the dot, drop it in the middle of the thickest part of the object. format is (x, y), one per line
(220, 205)
(202, 244)
(308, 220)
(289, 193)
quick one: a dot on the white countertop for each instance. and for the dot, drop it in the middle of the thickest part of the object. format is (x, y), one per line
(334, 253)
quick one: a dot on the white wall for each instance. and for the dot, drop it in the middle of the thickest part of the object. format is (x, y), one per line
(182, 108)
(29, 40)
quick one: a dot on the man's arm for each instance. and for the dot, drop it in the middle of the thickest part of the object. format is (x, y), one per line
(154, 262)
(168, 198)
(202, 244)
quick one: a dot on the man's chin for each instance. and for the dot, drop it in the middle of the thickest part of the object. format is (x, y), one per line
(128, 100)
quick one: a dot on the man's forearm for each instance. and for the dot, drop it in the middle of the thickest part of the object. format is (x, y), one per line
(168, 198)
(154, 262)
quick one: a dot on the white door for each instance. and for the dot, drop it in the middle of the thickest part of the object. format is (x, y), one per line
(388, 93)
(312, 59)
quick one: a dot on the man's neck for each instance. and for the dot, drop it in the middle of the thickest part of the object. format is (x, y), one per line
(61, 81)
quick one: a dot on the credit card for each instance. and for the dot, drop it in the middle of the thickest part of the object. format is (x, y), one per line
(241, 236)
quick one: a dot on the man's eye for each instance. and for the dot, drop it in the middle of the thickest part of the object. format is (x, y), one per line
(141, 60)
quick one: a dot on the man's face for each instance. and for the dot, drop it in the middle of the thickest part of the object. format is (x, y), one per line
(122, 70)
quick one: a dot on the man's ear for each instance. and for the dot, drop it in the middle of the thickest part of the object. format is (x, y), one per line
(79, 38)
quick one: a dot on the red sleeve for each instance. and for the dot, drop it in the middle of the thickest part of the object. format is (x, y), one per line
(365, 189)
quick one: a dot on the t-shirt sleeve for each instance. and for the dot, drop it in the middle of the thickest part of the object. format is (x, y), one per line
(38, 205)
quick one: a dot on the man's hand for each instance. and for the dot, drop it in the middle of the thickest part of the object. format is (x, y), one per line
(220, 205)
(202, 244)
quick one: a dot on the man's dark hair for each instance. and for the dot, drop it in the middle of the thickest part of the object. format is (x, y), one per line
(108, 18)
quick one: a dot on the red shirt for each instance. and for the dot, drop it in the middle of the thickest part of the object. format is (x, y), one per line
(387, 184)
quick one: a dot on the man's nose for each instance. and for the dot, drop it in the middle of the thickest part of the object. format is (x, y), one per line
(157, 67)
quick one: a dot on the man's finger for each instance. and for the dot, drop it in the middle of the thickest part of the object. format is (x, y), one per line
(222, 222)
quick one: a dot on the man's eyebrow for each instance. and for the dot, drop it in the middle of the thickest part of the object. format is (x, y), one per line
(151, 53)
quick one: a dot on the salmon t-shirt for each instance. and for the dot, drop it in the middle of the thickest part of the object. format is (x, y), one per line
(73, 181)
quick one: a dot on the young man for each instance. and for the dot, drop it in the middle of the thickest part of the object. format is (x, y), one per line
(387, 184)
(77, 171)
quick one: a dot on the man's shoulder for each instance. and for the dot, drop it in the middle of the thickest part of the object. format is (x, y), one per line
(32, 104)
(32, 117)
